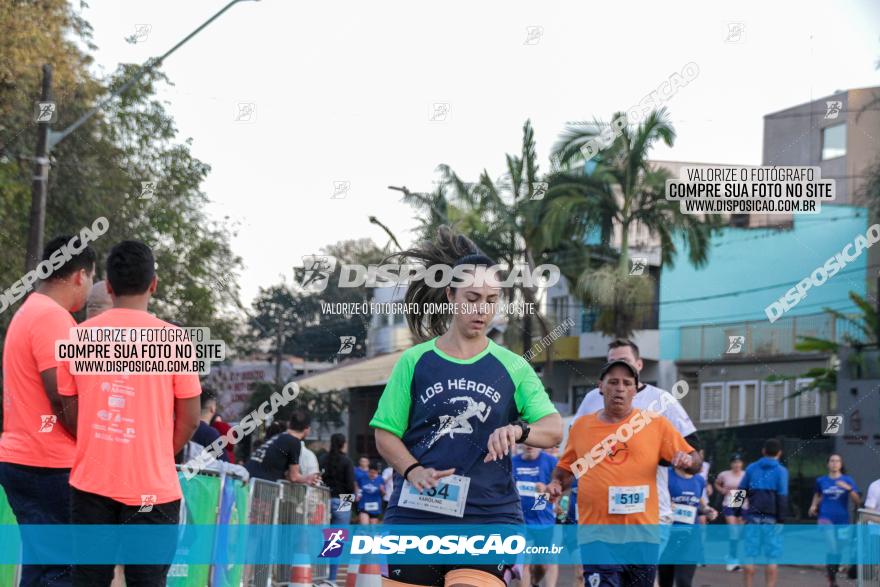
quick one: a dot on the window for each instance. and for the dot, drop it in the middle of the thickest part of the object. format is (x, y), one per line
(773, 400)
(712, 402)
(559, 308)
(807, 403)
(742, 405)
(833, 141)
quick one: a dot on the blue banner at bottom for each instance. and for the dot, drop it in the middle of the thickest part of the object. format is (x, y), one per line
(440, 544)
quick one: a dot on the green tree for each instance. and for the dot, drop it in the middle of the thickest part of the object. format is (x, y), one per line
(621, 194)
(865, 333)
(326, 409)
(294, 322)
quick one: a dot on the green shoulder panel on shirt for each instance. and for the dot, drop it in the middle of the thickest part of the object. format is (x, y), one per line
(532, 401)
(392, 414)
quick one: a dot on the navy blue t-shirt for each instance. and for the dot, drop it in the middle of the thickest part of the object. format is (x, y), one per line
(205, 435)
(444, 409)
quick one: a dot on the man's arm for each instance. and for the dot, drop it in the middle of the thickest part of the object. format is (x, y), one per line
(782, 495)
(560, 483)
(186, 420)
(64, 408)
(294, 476)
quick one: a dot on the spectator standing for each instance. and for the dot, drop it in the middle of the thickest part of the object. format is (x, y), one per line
(205, 434)
(125, 473)
(766, 485)
(37, 447)
(872, 498)
(223, 428)
(337, 470)
(278, 457)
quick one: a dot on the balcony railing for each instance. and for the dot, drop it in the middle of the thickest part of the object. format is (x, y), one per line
(761, 337)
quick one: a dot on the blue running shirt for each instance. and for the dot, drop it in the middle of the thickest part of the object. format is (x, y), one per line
(835, 500)
(444, 409)
(526, 474)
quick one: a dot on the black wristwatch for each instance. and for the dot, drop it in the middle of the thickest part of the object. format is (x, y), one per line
(524, 426)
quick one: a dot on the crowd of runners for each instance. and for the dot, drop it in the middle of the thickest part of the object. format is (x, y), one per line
(461, 418)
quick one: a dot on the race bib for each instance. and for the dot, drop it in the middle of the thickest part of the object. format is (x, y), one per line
(371, 506)
(526, 488)
(684, 514)
(448, 498)
(627, 500)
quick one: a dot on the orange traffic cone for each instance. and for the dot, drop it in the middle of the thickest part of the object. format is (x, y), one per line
(351, 573)
(369, 575)
(301, 573)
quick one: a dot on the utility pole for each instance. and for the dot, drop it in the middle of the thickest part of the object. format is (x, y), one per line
(279, 344)
(40, 179)
(47, 139)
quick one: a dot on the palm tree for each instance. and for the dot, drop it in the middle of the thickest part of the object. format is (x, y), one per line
(621, 194)
(824, 379)
(506, 220)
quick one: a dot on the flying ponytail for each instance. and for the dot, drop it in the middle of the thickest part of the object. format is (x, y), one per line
(447, 248)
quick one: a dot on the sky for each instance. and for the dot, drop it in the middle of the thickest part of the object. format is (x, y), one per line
(372, 94)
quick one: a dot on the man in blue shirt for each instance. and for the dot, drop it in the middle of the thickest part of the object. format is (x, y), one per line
(532, 471)
(766, 485)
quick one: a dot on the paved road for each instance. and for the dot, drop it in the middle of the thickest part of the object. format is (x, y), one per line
(717, 576)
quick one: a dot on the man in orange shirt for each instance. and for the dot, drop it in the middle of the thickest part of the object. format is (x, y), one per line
(36, 449)
(129, 426)
(615, 454)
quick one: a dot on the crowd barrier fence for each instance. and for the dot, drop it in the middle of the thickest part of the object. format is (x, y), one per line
(869, 548)
(224, 500)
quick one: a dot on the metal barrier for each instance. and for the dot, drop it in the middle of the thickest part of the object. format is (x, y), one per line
(869, 548)
(263, 506)
(281, 502)
(302, 504)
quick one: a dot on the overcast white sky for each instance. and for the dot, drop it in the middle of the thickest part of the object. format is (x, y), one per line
(344, 91)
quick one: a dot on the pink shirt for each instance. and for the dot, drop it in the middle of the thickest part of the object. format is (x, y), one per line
(125, 425)
(31, 433)
(728, 480)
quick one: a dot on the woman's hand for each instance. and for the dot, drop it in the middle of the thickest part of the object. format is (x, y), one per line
(425, 478)
(502, 441)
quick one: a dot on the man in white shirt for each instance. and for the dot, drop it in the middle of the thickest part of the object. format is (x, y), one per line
(872, 498)
(646, 396)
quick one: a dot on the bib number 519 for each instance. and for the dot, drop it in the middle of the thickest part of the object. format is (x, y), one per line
(629, 498)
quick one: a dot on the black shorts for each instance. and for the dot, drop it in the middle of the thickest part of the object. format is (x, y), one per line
(434, 575)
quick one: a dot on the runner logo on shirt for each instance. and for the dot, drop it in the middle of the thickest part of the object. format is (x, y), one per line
(460, 424)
